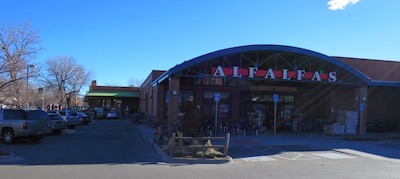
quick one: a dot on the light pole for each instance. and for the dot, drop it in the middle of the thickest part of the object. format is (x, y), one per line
(27, 82)
(41, 94)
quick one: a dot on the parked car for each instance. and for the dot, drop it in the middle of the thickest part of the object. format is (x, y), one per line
(112, 114)
(71, 116)
(99, 113)
(17, 123)
(83, 118)
(58, 124)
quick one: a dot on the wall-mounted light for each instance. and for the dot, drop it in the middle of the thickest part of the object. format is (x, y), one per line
(357, 99)
(364, 98)
(174, 92)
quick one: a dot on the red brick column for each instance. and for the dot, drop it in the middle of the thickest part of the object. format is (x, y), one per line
(173, 103)
(362, 94)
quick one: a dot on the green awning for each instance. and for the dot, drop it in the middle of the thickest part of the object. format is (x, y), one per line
(113, 94)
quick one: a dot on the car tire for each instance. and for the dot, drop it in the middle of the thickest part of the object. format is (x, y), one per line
(71, 126)
(35, 138)
(8, 136)
(56, 132)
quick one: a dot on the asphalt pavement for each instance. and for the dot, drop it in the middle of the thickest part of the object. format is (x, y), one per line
(100, 142)
(118, 149)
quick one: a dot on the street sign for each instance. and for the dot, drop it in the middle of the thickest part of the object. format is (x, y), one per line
(362, 107)
(276, 98)
(216, 97)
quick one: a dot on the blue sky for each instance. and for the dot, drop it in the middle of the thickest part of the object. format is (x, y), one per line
(123, 40)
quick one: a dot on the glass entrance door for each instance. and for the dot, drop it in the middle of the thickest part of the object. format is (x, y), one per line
(264, 105)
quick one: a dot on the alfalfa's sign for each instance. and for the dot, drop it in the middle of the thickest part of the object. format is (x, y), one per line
(284, 74)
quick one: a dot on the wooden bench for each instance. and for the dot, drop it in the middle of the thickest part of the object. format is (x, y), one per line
(181, 139)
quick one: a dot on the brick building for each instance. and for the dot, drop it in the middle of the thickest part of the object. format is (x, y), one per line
(113, 97)
(247, 80)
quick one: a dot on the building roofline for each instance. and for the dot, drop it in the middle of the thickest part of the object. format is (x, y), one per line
(249, 48)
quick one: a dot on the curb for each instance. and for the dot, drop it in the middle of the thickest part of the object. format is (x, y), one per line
(169, 159)
(9, 158)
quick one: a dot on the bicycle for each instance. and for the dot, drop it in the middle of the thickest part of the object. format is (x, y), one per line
(164, 133)
(152, 122)
(138, 118)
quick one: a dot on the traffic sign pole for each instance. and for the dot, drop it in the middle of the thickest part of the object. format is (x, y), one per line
(216, 99)
(216, 118)
(276, 98)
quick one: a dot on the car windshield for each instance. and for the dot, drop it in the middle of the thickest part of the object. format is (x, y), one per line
(36, 115)
(99, 109)
(61, 113)
(55, 117)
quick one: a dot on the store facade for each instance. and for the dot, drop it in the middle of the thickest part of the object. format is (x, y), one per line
(123, 99)
(304, 83)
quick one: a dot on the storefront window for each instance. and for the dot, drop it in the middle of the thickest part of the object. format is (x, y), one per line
(244, 104)
(289, 99)
(265, 107)
(269, 98)
(184, 95)
(224, 105)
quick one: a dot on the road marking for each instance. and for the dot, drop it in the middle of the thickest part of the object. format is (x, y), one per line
(296, 156)
(332, 155)
(258, 159)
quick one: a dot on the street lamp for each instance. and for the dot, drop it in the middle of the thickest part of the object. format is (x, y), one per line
(27, 82)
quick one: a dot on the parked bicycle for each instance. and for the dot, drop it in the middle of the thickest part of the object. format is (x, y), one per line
(164, 133)
(151, 122)
(138, 118)
(205, 128)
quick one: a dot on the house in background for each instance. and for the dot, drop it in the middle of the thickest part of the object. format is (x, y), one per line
(113, 97)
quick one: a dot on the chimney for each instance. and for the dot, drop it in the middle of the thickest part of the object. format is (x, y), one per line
(94, 83)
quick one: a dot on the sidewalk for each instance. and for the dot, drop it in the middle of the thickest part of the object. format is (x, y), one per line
(379, 149)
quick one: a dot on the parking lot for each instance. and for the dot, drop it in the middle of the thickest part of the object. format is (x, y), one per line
(117, 149)
(105, 141)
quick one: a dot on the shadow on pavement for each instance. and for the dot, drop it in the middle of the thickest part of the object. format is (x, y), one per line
(120, 142)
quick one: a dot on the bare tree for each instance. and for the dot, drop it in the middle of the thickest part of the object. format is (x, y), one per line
(134, 82)
(65, 77)
(19, 46)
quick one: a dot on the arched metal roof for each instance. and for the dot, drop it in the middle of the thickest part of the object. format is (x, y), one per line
(254, 48)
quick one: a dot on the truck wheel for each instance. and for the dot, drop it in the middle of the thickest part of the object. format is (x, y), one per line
(8, 136)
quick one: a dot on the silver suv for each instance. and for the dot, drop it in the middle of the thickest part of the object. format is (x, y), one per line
(71, 116)
(16, 123)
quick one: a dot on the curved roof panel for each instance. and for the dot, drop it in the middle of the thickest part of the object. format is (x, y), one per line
(255, 48)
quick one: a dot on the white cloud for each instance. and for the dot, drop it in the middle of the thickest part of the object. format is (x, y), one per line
(340, 4)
